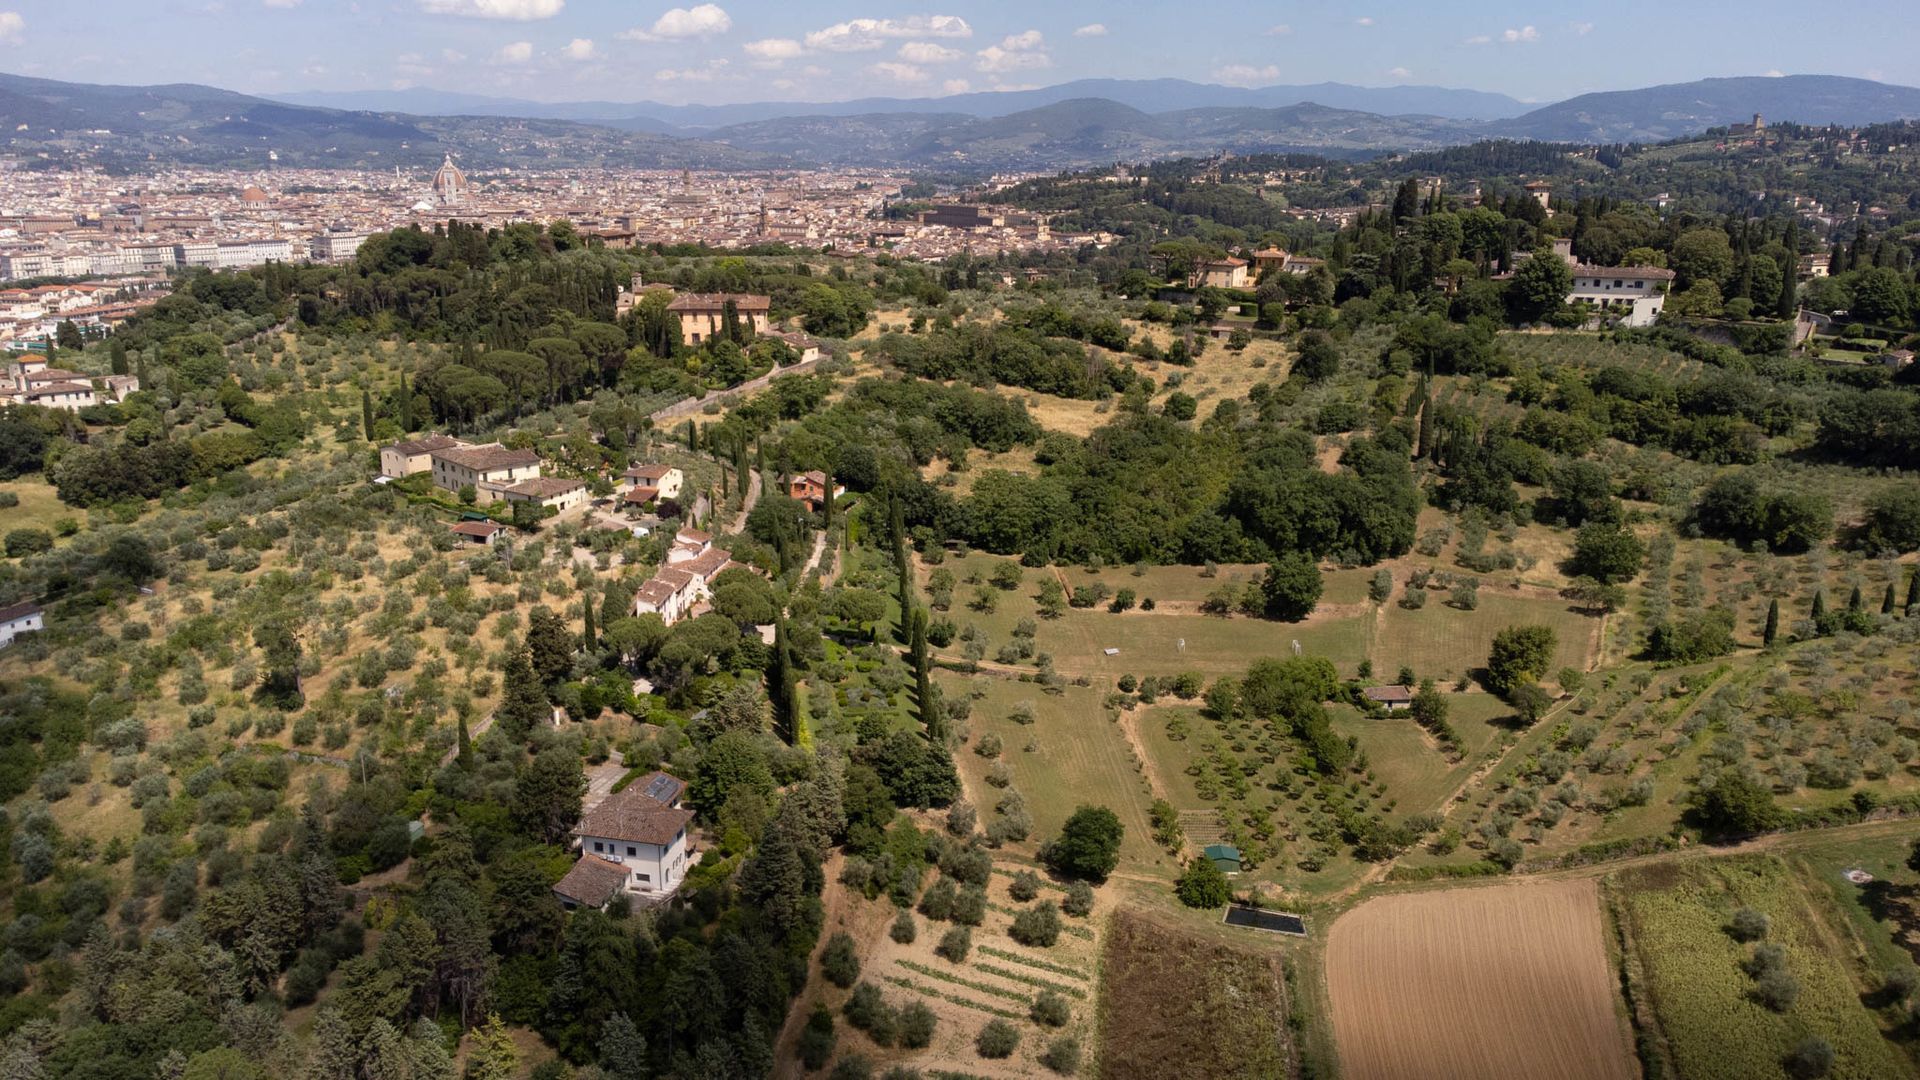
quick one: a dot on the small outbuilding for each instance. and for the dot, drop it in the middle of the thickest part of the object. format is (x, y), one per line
(1224, 857)
(477, 532)
(1390, 698)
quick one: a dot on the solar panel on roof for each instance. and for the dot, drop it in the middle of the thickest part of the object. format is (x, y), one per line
(662, 787)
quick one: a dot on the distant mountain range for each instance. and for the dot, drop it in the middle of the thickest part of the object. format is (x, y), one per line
(1074, 124)
(1147, 95)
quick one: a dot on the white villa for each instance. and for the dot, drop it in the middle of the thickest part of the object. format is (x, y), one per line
(490, 470)
(1633, 294)
(678, 589)
(634, 842)
(17, 619)
(414, 455)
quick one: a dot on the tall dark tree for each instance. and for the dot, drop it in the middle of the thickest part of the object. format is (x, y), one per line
(1855, 601)
(523, 703)
(1886, 602)
(1913, 593)
(1773, 622)
(1819, 605)
(932, 717)
(550, 645)
(117, 349)
(587, 635)
(1406, 202)
(1788, 303)
(366, 412)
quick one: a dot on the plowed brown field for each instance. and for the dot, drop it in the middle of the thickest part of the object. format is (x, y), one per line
(1476, 984)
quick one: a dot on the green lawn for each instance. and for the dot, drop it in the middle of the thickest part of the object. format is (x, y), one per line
(1443, 643)
(39, 505)
(1079, 757)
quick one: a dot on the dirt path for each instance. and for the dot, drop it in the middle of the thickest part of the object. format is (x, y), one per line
(747, 504)
(1129, 724)
(688, 406)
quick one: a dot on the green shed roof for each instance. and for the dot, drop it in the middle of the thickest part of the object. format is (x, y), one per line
(1221, 851)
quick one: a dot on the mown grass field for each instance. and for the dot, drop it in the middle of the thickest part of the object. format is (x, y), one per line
(1443, 643)
(1079, 756)
(1675, 917)
(39, 508)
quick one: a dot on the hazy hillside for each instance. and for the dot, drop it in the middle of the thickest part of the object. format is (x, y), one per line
(123, 125)
(1664, 112)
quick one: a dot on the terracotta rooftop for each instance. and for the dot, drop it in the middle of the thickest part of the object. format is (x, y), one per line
(631, 814)
(592, 881)
(19, 611)
(426, 444)
(486, 458)
(545, 487)
(718, 302)
(482, 529)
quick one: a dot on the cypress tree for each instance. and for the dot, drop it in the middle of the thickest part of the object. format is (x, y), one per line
(691, 438)
(406, 405)
(1854, 600)
(1819, 604)
(826, 506)
(1773, 622)
(366, 412)
(1788, 303)
(586, 621)
(923, 675)
(119, 353)
(1913, 593)
(140, 371)
(1886, 602)
(465, 754)
(897, 528)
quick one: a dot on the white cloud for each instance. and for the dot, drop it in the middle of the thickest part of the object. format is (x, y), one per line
(1024, 51)
(1364, 20)
(899, 72)
(579, 49)
(864, 35)
(517, 10)
(517, 53)
(1025, 41)
(12, 27)
(1399, 73)
(1776, 73)
(1278, 30)
(773, 49)
(956, 86)
(282, 4)
(926, 52)
(1582, 29)
(713, 70)
(1246, 74)
(1525, 35)
(453, 56)
(679, 24)
(1092, 30)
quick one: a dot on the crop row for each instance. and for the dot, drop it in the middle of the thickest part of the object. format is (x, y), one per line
(905, 983)
(948, 976)
(1043, 965)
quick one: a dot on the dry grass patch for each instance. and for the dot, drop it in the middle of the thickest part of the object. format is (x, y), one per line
(1180, 1004)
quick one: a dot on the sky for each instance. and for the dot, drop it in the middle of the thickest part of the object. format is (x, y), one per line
(754, 50)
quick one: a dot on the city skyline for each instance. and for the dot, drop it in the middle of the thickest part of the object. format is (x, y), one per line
(750, 50)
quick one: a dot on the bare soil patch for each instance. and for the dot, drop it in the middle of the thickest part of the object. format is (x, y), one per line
(1508, 980)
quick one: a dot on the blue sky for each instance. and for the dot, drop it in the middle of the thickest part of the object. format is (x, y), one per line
(748, 50)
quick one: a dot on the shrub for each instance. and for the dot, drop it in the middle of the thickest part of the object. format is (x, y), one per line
(955, 944)
(1811, 1059)
(1050, 1009)
(817, 1038)
(1062, 1055)
(1747, 925)
(868, 1011)
(917, 1024)
(1203, 885)
(1079, 901)
(904, 929)
(998, 1039)
(1025, 886)
(839, 963)
(1038, 926)
(1777, 989)
(852, 1067)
